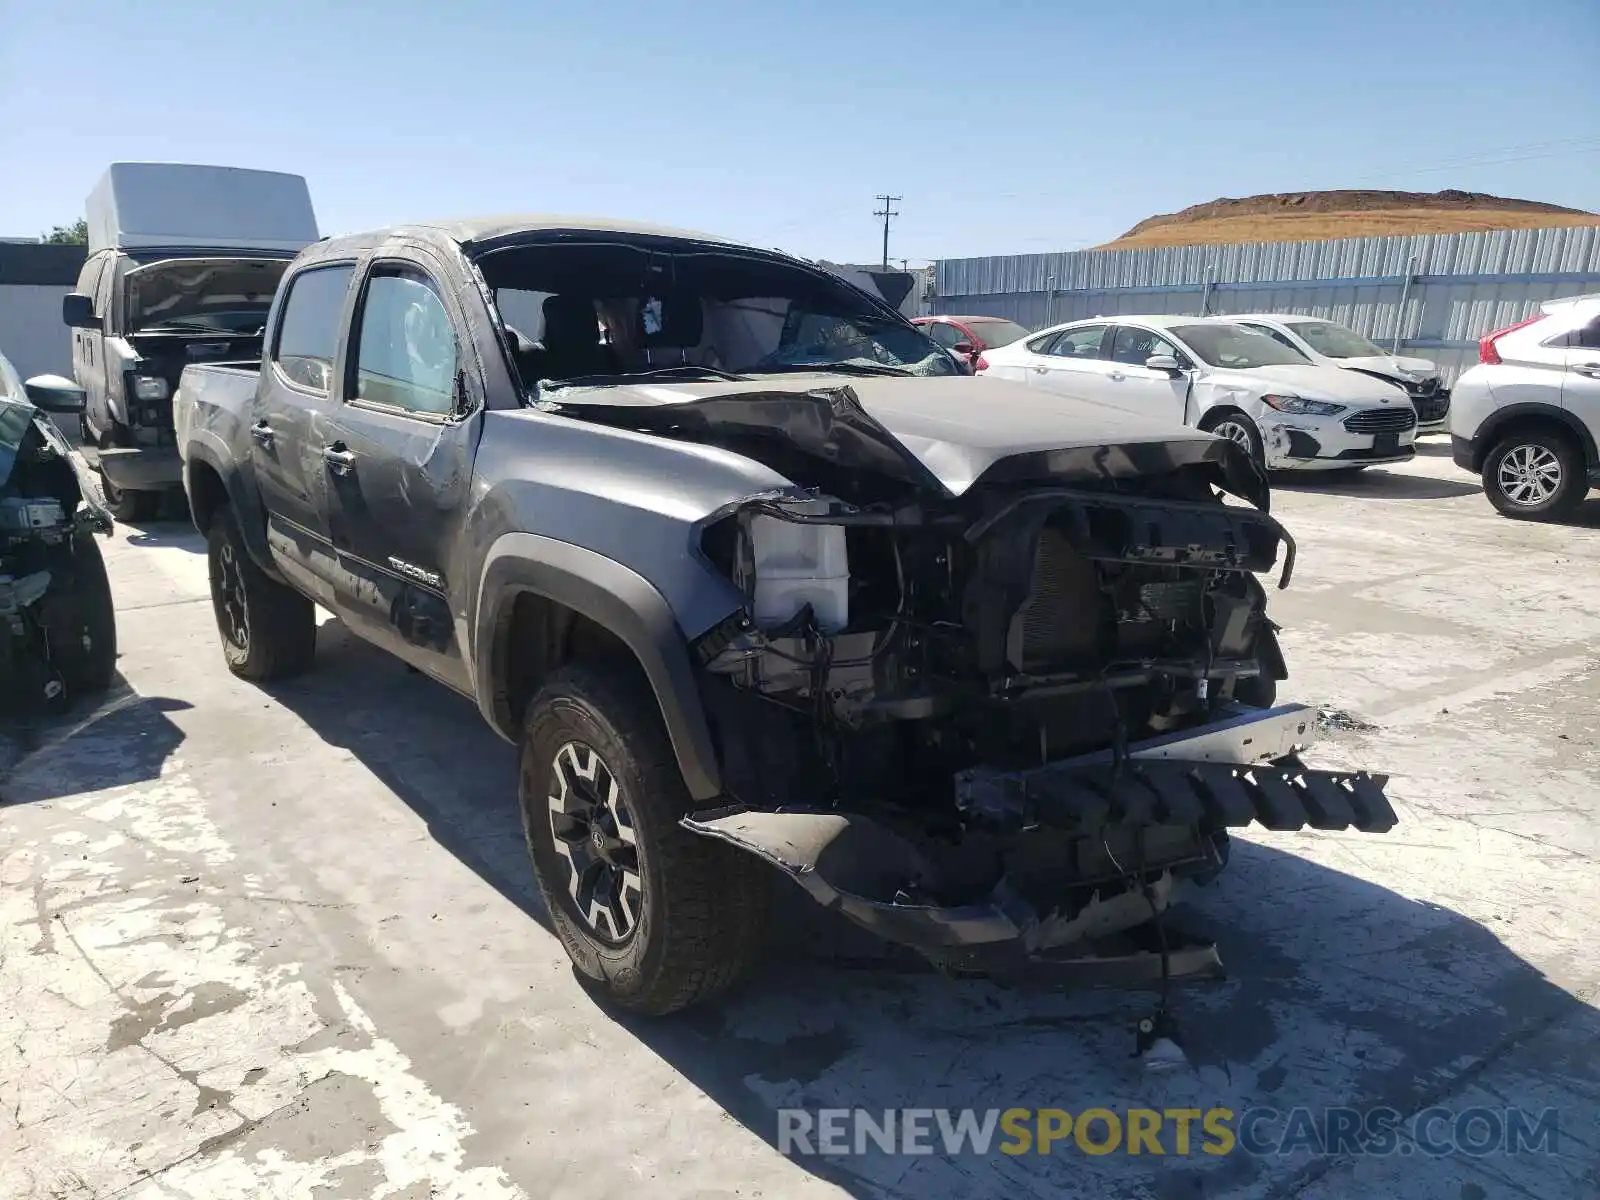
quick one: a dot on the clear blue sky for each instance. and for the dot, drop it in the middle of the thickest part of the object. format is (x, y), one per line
(1007, 127)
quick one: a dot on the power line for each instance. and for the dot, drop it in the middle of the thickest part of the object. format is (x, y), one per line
(886, 212)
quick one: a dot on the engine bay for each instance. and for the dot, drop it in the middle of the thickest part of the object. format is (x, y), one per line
(1008, 627)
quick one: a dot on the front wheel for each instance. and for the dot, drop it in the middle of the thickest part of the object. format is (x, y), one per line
(80, 621)
(268, 630)
(1535, 476)
(1242, 432)
(654, 916)
(127, 504)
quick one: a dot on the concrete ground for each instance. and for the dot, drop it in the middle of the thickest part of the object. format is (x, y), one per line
(284, 943)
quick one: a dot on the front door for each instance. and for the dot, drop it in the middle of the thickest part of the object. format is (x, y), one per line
(397, 457)
(294, 399)
(88, 365)
(1135, 387)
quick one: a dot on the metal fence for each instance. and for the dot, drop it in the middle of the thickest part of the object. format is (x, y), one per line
(1427, 294)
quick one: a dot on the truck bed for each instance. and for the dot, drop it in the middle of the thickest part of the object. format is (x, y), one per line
(215, 399)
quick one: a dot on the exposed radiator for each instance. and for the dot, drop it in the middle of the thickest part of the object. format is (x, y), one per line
(1058, 624)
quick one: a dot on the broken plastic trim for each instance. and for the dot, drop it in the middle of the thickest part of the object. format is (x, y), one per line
(1237, 523)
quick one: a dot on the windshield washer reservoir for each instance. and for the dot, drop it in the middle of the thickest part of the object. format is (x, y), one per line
(796, 565)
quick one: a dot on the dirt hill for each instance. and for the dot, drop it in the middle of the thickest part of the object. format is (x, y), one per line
(1309, 216)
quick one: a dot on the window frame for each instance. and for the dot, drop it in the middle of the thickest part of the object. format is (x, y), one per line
(1100, 347)
(286, 288)
(1109, 348)
(388, 266)
(960, 332)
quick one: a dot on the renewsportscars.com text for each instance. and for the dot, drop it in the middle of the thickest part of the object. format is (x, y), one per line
(1170, 1131)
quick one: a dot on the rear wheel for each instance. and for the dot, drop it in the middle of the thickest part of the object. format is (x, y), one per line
(655, 917)
(1535, 475)
(269, 631)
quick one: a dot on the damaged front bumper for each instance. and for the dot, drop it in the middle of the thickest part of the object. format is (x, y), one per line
(1173, 797)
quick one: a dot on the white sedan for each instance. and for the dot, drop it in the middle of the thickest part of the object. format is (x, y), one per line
(1218, 376)
(1335, 345)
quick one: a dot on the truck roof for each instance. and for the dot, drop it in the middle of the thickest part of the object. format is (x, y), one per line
(477, 230)
(178, 205)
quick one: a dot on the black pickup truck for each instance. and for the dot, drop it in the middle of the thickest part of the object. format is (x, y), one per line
(762, 583)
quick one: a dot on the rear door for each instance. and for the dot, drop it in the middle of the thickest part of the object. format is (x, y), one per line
(1580, 385)
(293, 402)
(1135, 387)
(397, 459)
(1071, 363)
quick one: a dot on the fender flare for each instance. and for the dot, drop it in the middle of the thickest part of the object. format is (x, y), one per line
(207, 447)
(621, 601)
(1488, 432)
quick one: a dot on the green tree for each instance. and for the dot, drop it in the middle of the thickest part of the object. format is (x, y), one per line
(76, 234)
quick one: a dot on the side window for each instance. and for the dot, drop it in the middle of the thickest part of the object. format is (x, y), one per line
(1133, 345)
(105, 286)
(1586, 338)
(89, 278)
(406, 356)
(308, 331)
(944, 334)
(1083, 342)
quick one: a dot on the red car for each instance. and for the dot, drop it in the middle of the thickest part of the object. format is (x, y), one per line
(968, 337)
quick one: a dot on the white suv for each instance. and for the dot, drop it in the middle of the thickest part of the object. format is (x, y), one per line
(1527, 417)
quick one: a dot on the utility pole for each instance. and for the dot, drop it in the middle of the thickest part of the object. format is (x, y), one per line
(888, 210)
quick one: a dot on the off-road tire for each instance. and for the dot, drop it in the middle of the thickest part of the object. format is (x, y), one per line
(1568, 493)
(280, 632)
(1256, 448)
(703, 908)
(80, 621)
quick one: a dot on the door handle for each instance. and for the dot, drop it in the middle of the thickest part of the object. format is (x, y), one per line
(340, 460)
(1040, 370)
(1592, 370)
(1118, 375)
(262, 432)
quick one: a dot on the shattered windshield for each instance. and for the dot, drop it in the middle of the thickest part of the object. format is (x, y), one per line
(613, 312)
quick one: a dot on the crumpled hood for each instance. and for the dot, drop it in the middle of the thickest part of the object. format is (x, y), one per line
(957, 427)
(1308, 380)
(1390, 364)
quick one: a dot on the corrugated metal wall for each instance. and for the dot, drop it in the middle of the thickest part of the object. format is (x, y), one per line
(1461, 285)
(33, 279)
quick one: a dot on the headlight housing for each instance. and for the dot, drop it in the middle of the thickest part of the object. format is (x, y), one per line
(149, 387)
(1301, 407)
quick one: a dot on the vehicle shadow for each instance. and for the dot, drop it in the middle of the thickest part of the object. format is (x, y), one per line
(179, 534)
(103, 742)
(1433, 449)
(1340, 992)
(1586, 516)
(1375, 484)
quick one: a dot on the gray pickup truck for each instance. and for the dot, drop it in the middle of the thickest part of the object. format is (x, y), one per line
(763, 584)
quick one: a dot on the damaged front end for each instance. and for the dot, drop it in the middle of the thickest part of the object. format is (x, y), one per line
(57, 627)
(1003, 728)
